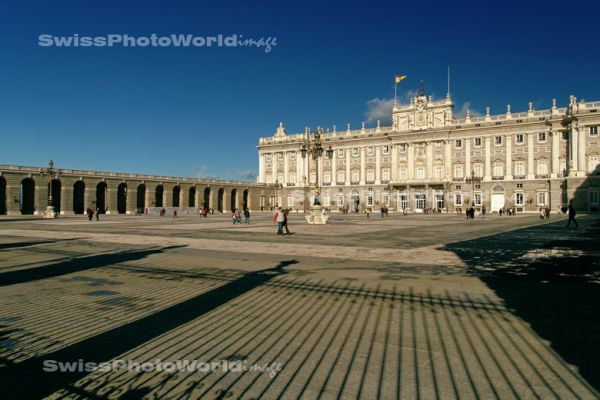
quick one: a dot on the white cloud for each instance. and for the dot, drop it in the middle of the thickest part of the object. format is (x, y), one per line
(462, 113)
(381, 109)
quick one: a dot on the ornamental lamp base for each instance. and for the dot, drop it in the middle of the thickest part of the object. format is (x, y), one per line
(316, 216)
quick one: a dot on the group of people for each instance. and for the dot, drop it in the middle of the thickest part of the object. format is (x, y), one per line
(281, 218)
(91, 212)
(544, 212)
(236, 216)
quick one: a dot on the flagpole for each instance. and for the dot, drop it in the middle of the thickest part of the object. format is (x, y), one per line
(395, 91)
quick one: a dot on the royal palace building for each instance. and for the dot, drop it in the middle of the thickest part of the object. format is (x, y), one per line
(428, 160)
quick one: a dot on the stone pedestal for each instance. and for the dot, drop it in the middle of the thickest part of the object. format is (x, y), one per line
(50, 213)
(316, 216)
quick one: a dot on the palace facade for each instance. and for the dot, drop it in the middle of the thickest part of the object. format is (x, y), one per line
(430, 160)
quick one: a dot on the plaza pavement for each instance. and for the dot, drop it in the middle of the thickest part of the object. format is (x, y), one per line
(421, 306)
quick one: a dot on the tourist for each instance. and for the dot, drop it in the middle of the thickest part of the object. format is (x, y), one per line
(382, 211)
(97, 214)
(90, 213)
(233, 217)
(571, 213)
(238, 216)
(542, 213)
(279, 218)
(174, 213)
(246, 216)
(547, 212)
(285, 221)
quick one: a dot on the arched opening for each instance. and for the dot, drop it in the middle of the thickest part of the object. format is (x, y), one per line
(176, 194)
(498, 200)
(246, 205)
(101, 198)
(27, 196)
(158, 196)
(220, 200)
(54, 187)
(192, 197)
(79, 197)
(122, 198)
(2, 196)
(207, 198)
(140, 203)
(233, 199)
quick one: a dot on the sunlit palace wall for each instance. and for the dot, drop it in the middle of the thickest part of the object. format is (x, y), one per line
(27, 190)
(428, 159)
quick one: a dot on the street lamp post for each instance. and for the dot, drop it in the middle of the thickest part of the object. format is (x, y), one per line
(312, 145)
(472, 179)
(52, 174)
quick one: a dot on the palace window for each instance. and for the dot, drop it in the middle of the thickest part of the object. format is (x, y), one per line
(439, 171)
(477, 142)
(420, 172)
(519, 186)
(327, 176)
(458, 199)
(563, 166)
(457, 187)
(370, 151)
(370, 175)
(340, 152)
(355, 152)
(458, 170)
(385, 199)
(458, 143)
(385, 174)
(355, 176)
(369, 200)
(594, 198)
(290, 201)
(541, 199)
(542, 167)
(541, 137)
(341, 177)
(498, 140)
(478, 199)
(519, 138)
(402, 147)
(292, 178)
(403, 201)
(519, 168)
(403, 175)
(478, 169)
(385, 149)
(592, 163)
(498, 169)
(593, 130)
(340, 200)
(520, 199)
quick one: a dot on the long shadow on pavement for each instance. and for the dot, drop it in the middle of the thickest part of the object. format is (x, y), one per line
(548, 276)
(28, 380)
(75, 265)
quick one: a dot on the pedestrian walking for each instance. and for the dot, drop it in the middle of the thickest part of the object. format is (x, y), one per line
(382, 210)
(571, 213)
(279, 218)
(246, 216)
(97, 214)
(285, 221)
(90, 214)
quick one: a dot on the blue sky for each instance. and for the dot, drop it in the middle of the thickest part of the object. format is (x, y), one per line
(200, 111)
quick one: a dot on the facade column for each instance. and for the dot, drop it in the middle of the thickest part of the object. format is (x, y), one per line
(573, 147)
(261, 168)
(556, 136)
(320, 163)
(111, 199)
(299, 164)
(286, 167)
(447, 159)
(362, 166)
(508, 173)
(467, 157)
(377, 165)
(411, 161)
(348, 150)
(429, 152)
(530, 163)
(394, 150)
(582, 168)
(488, 159)
(333, 172)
